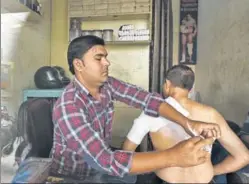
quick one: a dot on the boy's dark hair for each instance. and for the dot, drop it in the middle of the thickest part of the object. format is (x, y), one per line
(79, 46)
(181, 76)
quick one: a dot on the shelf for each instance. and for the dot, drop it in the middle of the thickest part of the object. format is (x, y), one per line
(142, 42)
(41, 93)
(139, 42)
(127, 16)
(20, 11)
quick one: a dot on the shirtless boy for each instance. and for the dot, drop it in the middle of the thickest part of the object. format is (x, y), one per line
(165, 134)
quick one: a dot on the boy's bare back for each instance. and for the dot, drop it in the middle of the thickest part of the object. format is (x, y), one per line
(166, 138)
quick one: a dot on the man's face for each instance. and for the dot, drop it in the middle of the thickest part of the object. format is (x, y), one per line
(94, 65)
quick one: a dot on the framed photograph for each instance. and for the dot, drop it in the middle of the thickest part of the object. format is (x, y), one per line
(188, 32)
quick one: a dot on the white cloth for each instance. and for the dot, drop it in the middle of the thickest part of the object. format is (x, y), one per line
(145, 124)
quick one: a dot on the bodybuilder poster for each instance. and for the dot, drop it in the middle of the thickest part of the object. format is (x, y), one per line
(188, 31)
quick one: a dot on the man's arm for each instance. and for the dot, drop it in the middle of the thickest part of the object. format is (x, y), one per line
(239, 154)
(195, 27)
(77, 130)
(154, 105)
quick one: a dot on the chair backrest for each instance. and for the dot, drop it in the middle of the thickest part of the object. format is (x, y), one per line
(36, 126)
(40, 127)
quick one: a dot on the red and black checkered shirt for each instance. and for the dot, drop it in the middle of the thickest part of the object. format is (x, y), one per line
(83, 125)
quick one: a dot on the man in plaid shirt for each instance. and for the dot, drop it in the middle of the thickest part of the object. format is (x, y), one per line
(83, 118)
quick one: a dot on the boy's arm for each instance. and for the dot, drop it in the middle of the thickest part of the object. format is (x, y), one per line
(239, 154)
(129, 145)
(142, 126)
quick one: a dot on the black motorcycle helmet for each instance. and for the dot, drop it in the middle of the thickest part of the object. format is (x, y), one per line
(61, 74)
(46, 78)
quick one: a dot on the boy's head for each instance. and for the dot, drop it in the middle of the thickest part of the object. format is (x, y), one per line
(179, 78)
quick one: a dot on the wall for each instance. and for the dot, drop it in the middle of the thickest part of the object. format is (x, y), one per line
(128, 62)
(26, 45)
(59, 33)
(222, 71)
(176, 21)
(176, 29)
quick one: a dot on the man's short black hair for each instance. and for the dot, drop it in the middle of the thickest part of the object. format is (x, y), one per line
(79, 46)
(181, 76)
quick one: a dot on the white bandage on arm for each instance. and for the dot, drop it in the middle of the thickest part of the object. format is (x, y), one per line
(143, 125)
(137, 133)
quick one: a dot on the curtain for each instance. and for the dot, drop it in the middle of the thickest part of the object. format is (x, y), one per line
(161, 50)
(162, 43)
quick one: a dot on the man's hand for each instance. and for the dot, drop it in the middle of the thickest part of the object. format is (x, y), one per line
(190, 152)
(196, 128)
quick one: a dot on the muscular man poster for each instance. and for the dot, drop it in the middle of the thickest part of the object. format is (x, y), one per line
(188, 31)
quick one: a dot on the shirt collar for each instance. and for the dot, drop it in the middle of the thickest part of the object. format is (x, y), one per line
(80, 86)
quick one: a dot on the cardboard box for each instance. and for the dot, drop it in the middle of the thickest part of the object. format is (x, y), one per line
(114, 1)
(143, 1)
(128, 9)
(88, 7)
(114, 6)
(76, 8)
(86, 13)
(113, 11)
(142, 4)
(128, 1)
(88, 2)
(76, 13)
(99, 2)
(75, 3)
(101, 12)
(101, 7)
(128, 5)
(142, 7)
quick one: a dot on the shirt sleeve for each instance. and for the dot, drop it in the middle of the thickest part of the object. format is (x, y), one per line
(84, 140)
(135, 96)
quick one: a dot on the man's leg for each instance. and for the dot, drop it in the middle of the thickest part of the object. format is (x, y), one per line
(184, 41)
(190, 47)
(33, 170)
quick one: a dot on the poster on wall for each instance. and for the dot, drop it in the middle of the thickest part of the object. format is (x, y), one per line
(188, 32)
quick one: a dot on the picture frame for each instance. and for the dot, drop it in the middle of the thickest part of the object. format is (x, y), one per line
(188, 32)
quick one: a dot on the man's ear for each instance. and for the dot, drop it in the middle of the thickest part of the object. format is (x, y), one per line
(166, 86)
(168, 83)
(78, 64)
